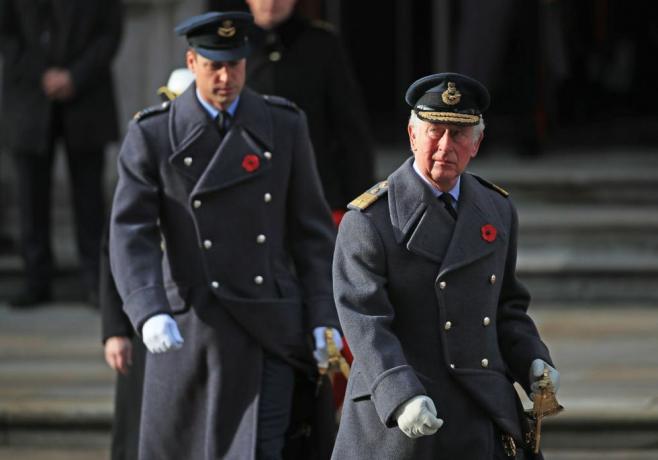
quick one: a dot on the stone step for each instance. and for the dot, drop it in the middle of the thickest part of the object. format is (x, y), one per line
(56, 392)
(604, 228)
(573, 276)
(567, 176)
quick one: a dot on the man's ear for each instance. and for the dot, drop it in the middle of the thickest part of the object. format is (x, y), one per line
(190, 60)
(476, 145)
(412, 135)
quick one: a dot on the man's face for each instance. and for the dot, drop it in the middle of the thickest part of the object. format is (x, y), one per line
(443, 151)
(269, 13)
(219, 83)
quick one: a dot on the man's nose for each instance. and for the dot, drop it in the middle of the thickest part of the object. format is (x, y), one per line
(445, 142)
(222, 74)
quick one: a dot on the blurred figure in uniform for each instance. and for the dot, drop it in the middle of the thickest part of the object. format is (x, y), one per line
(304, 62)
(495, 40)
(124, 351)
(223, 180)
(427, 293)
(57, 85)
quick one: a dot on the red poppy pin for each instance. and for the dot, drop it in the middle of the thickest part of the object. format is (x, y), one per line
(250, 162)
(489, 233)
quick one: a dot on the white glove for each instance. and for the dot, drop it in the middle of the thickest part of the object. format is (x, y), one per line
(160, 334)
(417, 417)
(536, 372)
(321, 354)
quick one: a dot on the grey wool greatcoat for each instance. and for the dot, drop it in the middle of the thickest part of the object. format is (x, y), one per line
(248, 238)
(429, 306)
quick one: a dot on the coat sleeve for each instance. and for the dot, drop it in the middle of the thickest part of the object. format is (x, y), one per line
(135, 252)
(367, 315)
(114, 322)
(518, 337)
(20, 61)
(99, 52)
(311, 232)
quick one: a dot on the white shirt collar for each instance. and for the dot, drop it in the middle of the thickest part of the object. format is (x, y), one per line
(212, 110)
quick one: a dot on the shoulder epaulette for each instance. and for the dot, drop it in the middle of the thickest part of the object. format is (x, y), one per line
(368, 197)
(492, 186)
(323, 25)
(281, 102)
(147, 112)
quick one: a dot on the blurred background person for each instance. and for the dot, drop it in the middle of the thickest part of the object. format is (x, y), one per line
(57, 85)
(304, 61)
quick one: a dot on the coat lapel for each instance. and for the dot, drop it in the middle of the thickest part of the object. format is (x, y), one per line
(191, 135)
(416, 216)
(242, 154)
(476, 209)
(216, 163)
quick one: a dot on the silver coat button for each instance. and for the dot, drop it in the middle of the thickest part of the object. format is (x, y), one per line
(275, 56)
(492, 279)
(187, 161)
(268, 155)
(442, 285)
(485, 362)
(447, 326)
(486, 321)
(260, 239)
(215, 284)
(258, 279)
(267, 197)
(196, 203)
(452, 366)
(207, 244)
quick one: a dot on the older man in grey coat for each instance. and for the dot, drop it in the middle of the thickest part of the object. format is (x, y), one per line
(427, 294)
(227, 179)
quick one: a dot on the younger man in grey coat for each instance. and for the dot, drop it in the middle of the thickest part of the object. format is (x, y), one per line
(223, 180)
(427, 294)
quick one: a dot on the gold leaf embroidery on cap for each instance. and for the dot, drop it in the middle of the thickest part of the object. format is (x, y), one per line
(451, 96)
(227, 29)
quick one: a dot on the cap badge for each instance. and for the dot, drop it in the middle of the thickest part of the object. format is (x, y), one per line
(451, 96)
(227, 29)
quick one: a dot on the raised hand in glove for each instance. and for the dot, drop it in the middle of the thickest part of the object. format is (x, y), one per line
(537, 372)
(321, 354)
(160, 334)
(417, 417)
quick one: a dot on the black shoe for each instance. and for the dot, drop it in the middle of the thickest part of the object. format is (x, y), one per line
(31, 298)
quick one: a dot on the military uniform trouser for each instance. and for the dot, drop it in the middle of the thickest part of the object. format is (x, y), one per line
(278, 381)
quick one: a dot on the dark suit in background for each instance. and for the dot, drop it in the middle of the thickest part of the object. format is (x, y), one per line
(81, 37)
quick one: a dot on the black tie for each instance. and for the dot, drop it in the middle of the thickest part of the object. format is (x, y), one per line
(223, 122)
(447, 202)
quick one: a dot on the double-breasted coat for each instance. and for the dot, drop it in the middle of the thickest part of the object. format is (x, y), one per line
(83, 39)
(248, 239)
(432, 306)
(327, 92)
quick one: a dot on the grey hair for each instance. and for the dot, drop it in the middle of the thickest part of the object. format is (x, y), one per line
(477, 129)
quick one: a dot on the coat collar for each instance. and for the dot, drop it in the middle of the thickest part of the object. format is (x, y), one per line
(428, 229)
(189, 122)
(193, 134)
